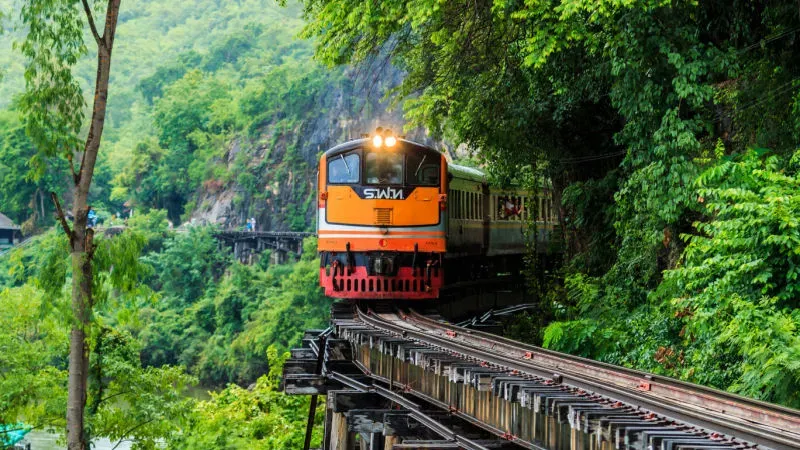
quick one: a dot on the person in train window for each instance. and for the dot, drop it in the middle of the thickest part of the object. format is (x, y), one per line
(390, 175)
(510, 209)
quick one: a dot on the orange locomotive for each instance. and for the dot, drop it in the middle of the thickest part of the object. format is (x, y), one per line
(394, 216)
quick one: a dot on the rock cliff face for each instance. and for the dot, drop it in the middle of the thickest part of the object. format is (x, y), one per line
(275, 172)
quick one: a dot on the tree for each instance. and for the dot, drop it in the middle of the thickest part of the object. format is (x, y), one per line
(52, 105)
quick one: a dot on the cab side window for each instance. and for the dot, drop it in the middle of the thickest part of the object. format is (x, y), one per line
(344, 169)
(423, 169)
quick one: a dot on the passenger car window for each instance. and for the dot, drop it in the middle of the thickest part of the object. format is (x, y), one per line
(344, 169)
(423, 169)
(384, 168)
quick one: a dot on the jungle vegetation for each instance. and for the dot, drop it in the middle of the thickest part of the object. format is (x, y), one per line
(168, 311)
(669, 131)
(190, 317)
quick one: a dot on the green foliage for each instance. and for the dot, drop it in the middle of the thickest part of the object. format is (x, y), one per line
(571, 337)
(153, 226)
(189, 264)
(152, 87)
(126, 401)
(211, 111)
(32, 361)
(737, 289)
(218, 317)
(258, 417)
(179, 91)
(293, 304)
(726, 316)
(148, 404)
(142, 344)
(53, 102)
(186, 108)
(24, 199)
(41, 263)
(194, 107)
(117, 268)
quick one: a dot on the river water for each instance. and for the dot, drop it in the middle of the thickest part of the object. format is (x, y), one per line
(42, 440)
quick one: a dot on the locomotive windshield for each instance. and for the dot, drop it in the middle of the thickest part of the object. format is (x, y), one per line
(384, 168)
(344, 169)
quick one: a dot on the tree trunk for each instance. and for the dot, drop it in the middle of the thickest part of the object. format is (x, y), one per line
(81, 239)
(78, 348)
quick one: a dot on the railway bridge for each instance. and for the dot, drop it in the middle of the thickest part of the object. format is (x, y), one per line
(247, 245)
(396, 379)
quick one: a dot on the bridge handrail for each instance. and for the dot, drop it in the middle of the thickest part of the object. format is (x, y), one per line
(263, 234)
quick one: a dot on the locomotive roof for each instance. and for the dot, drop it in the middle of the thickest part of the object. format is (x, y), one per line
(358, 143)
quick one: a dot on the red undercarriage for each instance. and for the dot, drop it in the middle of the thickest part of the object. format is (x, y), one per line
(357, 284)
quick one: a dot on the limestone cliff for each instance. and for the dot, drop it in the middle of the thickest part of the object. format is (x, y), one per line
(276, 183)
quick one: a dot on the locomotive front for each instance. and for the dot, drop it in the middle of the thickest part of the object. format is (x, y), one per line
(381, 219)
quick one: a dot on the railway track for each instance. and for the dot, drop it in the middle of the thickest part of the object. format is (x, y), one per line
(536, 398)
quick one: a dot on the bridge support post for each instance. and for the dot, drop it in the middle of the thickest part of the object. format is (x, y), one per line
(341, 438)
(388, 442)
(327, 438)
(312, 409)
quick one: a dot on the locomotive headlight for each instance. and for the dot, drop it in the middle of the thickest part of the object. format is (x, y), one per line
(377, 140)
(390, 141)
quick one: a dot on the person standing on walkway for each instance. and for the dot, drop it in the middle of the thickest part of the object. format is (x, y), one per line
(92, 216)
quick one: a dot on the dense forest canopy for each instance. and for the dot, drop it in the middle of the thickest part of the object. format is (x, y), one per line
(189, 83)
(648, 117)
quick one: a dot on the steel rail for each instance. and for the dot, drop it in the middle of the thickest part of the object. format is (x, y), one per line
(494, 312)
(772, 426)
(741, 409)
